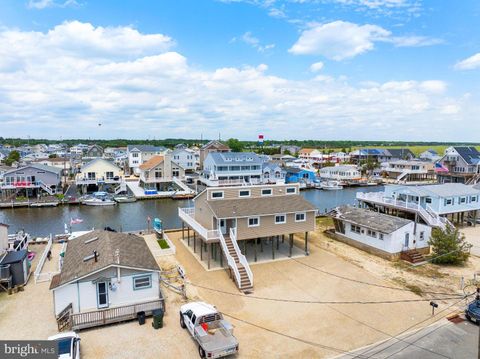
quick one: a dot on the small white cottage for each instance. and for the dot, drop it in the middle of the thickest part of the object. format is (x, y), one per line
(378, 233)
(105, 277)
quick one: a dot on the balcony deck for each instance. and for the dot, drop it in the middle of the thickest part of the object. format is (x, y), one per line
(188, 216)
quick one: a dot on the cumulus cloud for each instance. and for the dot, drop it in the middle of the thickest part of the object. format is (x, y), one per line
(317, 66)
(339, 40)
(470, 63)
(64, 82)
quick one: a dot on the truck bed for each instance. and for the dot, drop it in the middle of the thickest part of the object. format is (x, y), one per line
(217, 338)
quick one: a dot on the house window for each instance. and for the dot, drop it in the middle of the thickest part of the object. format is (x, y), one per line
(291, 190)
(422, 236)
(109, 175)
(217, 194)
(473, 199)
(134, 154)
(354, 228)
(244, 193)
(428, 200)
(463, 200)
(176, 173)
(142, 282)
(447, 202)
(254, 221)
(380, 236)
(300, 217)
(371, 233)
(280, 218)
(267, 192)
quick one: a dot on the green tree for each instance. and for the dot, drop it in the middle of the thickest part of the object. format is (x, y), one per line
(12, 157)
(235, 145)
(52, 155)
(449, 246)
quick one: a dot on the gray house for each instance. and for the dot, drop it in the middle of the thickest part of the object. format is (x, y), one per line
(459, 164)
(33, 180)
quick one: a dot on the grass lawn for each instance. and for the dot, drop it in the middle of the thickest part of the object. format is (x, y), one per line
(163, 244)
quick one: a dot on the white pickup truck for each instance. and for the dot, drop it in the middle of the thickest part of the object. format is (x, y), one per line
(213, 334)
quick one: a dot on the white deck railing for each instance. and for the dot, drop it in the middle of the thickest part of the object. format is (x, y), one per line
(241, 257)
(230, 260)
(188, 215)
(429, 215)
(43, 277)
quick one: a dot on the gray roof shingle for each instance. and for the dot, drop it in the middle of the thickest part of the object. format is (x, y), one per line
(363, 217)
(133, 253)
(259, 206)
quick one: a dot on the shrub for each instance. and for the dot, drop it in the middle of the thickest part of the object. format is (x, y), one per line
(449, 246)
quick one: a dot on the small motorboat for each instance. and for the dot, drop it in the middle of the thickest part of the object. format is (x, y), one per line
(158, 227)
(124, 199)
(99, 199)
(330, 185)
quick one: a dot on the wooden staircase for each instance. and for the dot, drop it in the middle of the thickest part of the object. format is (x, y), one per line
(244, 284)
(412, 256)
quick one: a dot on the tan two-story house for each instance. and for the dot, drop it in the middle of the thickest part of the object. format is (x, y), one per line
(225, 219)
(159, 172)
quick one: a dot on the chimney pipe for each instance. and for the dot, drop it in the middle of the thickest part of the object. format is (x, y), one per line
(95, 256)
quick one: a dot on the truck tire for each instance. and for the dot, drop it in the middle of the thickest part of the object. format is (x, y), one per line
(182, 321)
(201, 352)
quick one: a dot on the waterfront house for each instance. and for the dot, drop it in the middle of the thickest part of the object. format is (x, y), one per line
(397, 154)
(429, 155)
(272, 173)
(289, 149)
(227, 168)
(459, 164)
(299, 175)
(310, 154)
(159, 172)
(62, 163)
(105, 277)
(32, 180)
(405, 171)
(185, 158)
(98, 174)
(339, 157)
(433, 203)
(347, 173)
(370, 155)
(211, 147)
(378, 233)
(230, 218)
(139, 154)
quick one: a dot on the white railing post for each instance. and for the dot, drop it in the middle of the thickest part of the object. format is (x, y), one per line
(241, 257)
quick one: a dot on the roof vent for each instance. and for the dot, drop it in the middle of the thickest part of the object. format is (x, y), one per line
(91, 240)
(94, 255)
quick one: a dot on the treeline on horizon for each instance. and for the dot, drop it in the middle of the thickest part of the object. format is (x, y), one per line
(171, 142)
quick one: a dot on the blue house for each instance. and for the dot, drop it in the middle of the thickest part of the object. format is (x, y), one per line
(295, 175)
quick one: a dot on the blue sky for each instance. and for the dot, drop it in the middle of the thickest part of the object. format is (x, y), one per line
(320, 69)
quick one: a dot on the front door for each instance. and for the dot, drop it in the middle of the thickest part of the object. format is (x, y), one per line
(102, 294)
(223, 226)
(407, 240)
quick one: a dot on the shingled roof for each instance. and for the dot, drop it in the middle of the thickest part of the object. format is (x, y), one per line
(132, 249)
(259, 206)
(363, 217)
(152, 163)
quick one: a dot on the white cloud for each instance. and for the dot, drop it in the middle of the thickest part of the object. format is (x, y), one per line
(317, 66)
(341, 40)
(338, 40)
(64, 82)
(254, 42)
(43, 4)
(470, 63)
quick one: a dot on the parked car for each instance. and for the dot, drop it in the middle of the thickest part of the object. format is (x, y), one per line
(472, 312)
(68, 345)
(213, 334)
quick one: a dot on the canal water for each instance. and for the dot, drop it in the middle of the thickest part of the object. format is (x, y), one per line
(133, 216)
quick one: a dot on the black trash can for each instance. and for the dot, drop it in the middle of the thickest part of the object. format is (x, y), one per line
(141, 318)
(157, 318)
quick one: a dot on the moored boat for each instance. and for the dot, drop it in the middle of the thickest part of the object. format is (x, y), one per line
(330, 185)
(99, 199)
(124, 199)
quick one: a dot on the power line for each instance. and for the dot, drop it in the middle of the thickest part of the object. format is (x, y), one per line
(365, 283)
(321, 302)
